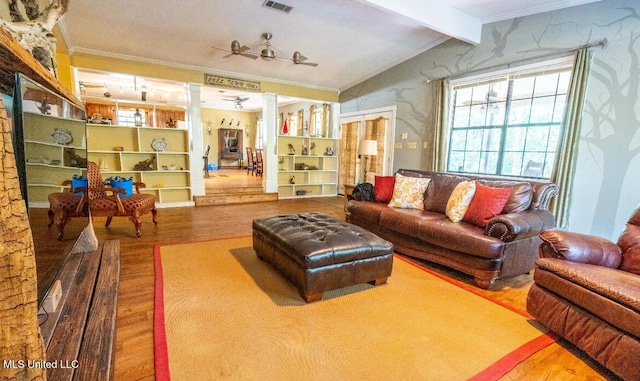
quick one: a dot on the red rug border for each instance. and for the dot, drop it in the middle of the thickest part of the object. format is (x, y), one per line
(493, 372)
(160, 349)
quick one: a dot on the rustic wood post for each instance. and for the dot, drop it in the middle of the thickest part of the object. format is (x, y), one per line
(20, 338)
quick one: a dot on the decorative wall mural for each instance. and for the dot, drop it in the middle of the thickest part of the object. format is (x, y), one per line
(605, 189)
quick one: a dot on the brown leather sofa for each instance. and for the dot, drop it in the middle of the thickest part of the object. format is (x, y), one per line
(506, 247)
(587, 290)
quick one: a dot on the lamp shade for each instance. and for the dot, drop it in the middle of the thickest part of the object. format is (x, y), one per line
(368, 147)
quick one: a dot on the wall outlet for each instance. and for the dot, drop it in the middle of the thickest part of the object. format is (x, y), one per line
(425, 145)
(412, 145)
(53, 297)
(397, 146)
(404, 135)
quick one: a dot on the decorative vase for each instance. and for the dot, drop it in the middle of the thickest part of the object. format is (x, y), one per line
(285, 129)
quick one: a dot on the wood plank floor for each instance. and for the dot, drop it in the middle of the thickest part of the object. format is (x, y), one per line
(134, 336)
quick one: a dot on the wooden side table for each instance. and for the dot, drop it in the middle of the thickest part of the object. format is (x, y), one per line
(348, 191)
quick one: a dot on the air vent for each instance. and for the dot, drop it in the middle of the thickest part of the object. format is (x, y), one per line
(277, 6)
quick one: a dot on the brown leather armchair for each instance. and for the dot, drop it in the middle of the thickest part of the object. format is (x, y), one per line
(587, 290)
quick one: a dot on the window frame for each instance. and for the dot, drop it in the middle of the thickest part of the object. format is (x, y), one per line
(507, 76)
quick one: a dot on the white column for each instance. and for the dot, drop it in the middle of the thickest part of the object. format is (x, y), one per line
(196, 150)
(270, 118)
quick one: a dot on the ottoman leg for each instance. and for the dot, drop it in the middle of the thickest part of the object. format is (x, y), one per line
(379, 281)
(310, 298)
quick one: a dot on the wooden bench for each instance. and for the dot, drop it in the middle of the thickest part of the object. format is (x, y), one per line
(80, 335)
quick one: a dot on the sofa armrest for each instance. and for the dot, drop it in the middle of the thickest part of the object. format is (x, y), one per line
(513, 226)
(577, 247)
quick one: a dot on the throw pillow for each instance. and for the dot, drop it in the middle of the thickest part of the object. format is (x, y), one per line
(384, 188)
(408, 192)
(486, 203)
(459, 200)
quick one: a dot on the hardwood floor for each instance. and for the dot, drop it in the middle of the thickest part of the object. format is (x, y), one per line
(134, 336)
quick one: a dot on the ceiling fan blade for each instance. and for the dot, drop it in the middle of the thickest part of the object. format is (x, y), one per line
(249, 55)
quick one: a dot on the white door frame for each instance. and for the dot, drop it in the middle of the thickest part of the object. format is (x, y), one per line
(389, 139)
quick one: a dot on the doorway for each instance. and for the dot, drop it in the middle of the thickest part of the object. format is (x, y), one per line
(377, 125)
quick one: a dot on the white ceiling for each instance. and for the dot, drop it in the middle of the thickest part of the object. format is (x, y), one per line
(350, 40)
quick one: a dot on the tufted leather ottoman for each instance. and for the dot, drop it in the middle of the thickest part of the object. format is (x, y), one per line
(319, 253)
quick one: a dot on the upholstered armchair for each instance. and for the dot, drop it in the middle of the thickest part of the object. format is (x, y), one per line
(111, 202)
(587, 290)
(65, 205)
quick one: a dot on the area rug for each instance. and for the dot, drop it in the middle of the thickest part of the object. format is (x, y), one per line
(221, 313)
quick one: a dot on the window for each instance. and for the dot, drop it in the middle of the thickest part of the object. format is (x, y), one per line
(126, 117)
(508, 126)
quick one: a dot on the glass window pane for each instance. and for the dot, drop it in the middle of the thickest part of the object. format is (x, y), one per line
(463, 97)
(554, 138)
(515, 138)
(537, 138)
(472, 162)
(456, 161)
(558, 112)
(479, 94)
(533, 163)
(474, 140)
(478, 114)
(461, 117)
(491, 139)
(542, 110)
(546, 85)
(492, 162)
(495, 114)
(548, 165)
(458, 140)
(523, 88)
(519, 111)
(563, 82)
(511, 163)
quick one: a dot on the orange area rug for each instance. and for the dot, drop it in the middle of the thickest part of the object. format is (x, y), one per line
(222, 314)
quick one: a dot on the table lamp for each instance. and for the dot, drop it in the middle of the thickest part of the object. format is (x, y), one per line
(367, 148)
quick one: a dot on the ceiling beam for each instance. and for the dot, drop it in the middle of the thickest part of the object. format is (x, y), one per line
(435, 15)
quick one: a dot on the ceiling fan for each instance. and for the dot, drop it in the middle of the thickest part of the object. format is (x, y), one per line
(267, 53)
(237, 100)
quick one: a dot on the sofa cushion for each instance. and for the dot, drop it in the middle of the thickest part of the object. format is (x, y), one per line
(384, 188)
(610, 294)
(436, 229)
(520, 198)
(408, 192)
(487, 203)
(459, 200)
(629, 242)
(440, 190)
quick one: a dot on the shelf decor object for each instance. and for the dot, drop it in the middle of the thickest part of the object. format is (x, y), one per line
(159, 144)
(62, 136)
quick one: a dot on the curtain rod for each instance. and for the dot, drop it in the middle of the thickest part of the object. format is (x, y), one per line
(602, 43)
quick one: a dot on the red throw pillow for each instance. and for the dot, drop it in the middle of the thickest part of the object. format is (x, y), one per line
(486, 203)
(384, 188)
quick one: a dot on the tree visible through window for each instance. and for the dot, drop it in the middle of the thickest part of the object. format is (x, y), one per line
(509, 126)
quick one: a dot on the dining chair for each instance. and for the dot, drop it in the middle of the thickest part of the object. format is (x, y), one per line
(250, 162)
(259, 162)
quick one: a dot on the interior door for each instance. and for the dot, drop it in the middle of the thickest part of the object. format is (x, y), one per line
(379, 125)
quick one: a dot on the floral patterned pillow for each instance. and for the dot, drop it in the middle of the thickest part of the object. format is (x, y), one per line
(459, 200)
(408, 192)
